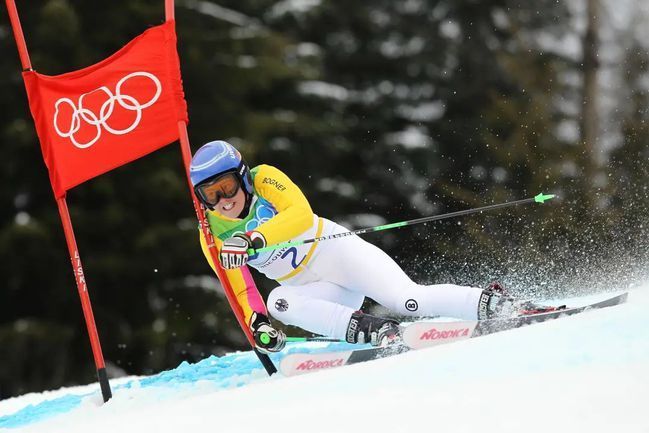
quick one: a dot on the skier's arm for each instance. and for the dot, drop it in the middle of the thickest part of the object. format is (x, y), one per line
(294, 211)
(242, 283)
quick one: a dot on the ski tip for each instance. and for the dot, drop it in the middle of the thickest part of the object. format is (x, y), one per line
(542, 198)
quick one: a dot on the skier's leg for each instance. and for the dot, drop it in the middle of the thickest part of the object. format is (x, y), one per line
(359, 266)
(320, 307)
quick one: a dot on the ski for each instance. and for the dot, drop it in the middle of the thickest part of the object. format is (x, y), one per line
(425, 334)
(294, 364)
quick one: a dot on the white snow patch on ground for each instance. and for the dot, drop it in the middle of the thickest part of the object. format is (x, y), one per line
(588, 372)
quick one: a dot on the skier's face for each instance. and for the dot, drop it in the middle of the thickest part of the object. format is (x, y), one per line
(232, 207)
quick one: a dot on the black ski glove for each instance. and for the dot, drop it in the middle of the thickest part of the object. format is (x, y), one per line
(267, 338)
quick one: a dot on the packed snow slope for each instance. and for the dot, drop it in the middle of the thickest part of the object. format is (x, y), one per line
(587, 373)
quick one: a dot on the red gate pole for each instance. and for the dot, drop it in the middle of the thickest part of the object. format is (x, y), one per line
(82, 287)
(209, 239)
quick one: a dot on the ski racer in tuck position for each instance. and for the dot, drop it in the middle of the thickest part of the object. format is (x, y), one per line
(322, 284)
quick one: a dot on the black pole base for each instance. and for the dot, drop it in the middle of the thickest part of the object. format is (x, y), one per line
(266, 362)
(103, 383)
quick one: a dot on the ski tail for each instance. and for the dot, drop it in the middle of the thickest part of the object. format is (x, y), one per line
(295, 364)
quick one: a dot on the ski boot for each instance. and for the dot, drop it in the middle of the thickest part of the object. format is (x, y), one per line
(377, 331)
(525, 308)
(495, 302)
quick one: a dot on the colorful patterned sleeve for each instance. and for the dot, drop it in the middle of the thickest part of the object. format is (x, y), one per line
(294, 211)
(242, 283)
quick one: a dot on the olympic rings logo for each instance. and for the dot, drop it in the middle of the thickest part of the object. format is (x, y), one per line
(262, 214)
(81, 113)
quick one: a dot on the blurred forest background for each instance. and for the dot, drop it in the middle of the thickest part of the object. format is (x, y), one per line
(381, 111)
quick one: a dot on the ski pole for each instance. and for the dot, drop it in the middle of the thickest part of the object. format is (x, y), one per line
(321, 339)
(539, 198)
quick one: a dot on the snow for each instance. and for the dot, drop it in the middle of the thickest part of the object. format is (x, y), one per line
(323, 90)
(424, 112)
(588, 372)
(219, 12)
(293, 6)
(412, 138)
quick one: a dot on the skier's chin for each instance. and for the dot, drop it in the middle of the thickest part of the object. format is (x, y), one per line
(230, 209)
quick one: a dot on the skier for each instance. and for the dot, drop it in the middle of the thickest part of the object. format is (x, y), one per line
(322, 284)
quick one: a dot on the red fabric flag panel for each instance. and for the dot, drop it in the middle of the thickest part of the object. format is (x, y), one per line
(98, 118)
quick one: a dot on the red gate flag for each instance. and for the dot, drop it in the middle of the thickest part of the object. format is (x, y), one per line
(95, 119)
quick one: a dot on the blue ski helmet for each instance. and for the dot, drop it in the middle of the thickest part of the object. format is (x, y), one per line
(216, 158)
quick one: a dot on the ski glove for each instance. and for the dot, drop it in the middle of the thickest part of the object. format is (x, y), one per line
(267, 338)
(234, 252)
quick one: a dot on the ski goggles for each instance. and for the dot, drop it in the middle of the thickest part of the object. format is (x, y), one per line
(223, 186)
